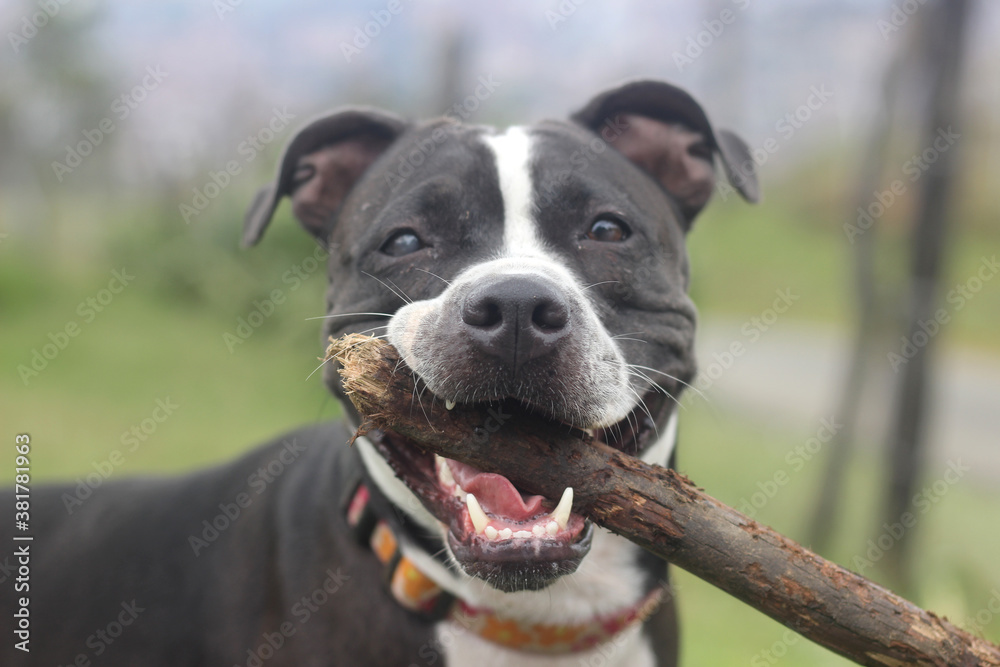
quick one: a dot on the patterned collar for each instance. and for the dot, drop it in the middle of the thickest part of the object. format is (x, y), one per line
(416, 591)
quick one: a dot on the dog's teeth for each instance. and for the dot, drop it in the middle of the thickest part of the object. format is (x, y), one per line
(444, 474)
(448, 405)
(476, 513)
(552, 528)
(491, 533)
(523, 534)
(561, 513)
(538, 530)
(506, 534)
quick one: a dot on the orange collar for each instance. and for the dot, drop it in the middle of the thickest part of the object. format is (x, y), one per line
(417, 592)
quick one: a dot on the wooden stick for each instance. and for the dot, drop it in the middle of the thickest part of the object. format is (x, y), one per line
(663, 512)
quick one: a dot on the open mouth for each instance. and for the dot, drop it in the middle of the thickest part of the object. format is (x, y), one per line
(497, 532)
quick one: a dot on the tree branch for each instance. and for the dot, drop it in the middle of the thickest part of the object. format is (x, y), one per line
(663, 512)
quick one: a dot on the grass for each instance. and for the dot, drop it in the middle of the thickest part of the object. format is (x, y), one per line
(795, 240)
(161, 339)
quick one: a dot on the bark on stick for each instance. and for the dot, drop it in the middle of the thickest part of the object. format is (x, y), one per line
(663, 512)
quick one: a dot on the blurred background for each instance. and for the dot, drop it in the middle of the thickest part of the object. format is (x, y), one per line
(850, 364)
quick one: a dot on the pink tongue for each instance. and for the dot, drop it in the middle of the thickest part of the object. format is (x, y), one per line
(495, 493)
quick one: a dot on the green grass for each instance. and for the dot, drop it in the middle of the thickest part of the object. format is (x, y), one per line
(162, 337)
(741, 254)
(147, 344)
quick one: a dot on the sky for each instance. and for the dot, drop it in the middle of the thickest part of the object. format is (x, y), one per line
(230, 65)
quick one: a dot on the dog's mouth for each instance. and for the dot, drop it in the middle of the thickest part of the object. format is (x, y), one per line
(497, 532)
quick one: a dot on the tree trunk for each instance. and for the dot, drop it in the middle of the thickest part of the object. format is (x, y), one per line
(870, 304)
(944, 33)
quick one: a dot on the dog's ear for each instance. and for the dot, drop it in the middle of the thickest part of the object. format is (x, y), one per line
(663, 130)
(319, 167)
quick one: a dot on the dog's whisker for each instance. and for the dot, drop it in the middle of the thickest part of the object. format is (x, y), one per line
(649, 414)
(365, 331)
(675, 379)
(446, 282)
(638, 374)
(662, 389)
(364, 342)
(645, 378)
(400, 291)
(420, 404)
(399, 294)
(328, 317)
(383, 336)
(353, 345)
(321, 364)
(603, 282)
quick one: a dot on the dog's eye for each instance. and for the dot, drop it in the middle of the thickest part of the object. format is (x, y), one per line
(608, 230)
(302, 174)
(403, 242)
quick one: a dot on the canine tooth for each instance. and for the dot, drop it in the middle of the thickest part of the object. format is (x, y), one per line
(522, 534)
(538, 530)
(491, 533)
(444, 474)
(552, 528)
(476, 513)
(561, 513)
(448, 405)
(506, 534)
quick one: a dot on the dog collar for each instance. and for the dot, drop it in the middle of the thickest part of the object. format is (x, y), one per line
(419, 593)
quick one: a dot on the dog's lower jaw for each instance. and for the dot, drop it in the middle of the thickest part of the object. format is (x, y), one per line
(506, 577)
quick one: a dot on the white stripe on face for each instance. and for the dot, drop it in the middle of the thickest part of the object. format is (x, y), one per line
(512, 151)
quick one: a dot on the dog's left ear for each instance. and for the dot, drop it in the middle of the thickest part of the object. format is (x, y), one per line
(663, 130)
(319, 167)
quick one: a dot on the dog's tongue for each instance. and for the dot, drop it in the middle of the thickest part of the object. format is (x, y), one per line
(495, 493)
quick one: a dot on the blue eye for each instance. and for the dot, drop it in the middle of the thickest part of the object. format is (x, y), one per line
(403, 242)
(608, 230)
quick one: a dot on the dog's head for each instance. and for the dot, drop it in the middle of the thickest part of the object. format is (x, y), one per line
(537, 269)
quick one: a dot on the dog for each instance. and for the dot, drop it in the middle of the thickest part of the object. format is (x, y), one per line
(535, 269)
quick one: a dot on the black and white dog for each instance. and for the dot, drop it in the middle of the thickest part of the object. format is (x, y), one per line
(539, 268)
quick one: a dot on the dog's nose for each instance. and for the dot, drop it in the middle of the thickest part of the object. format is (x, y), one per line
(516, 318)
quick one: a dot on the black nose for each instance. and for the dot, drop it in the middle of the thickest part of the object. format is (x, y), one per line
(515, 319)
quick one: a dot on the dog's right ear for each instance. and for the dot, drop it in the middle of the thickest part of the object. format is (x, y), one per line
(664, 131)
(319, 167)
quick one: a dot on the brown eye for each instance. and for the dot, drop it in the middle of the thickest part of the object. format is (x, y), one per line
(608, 230)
